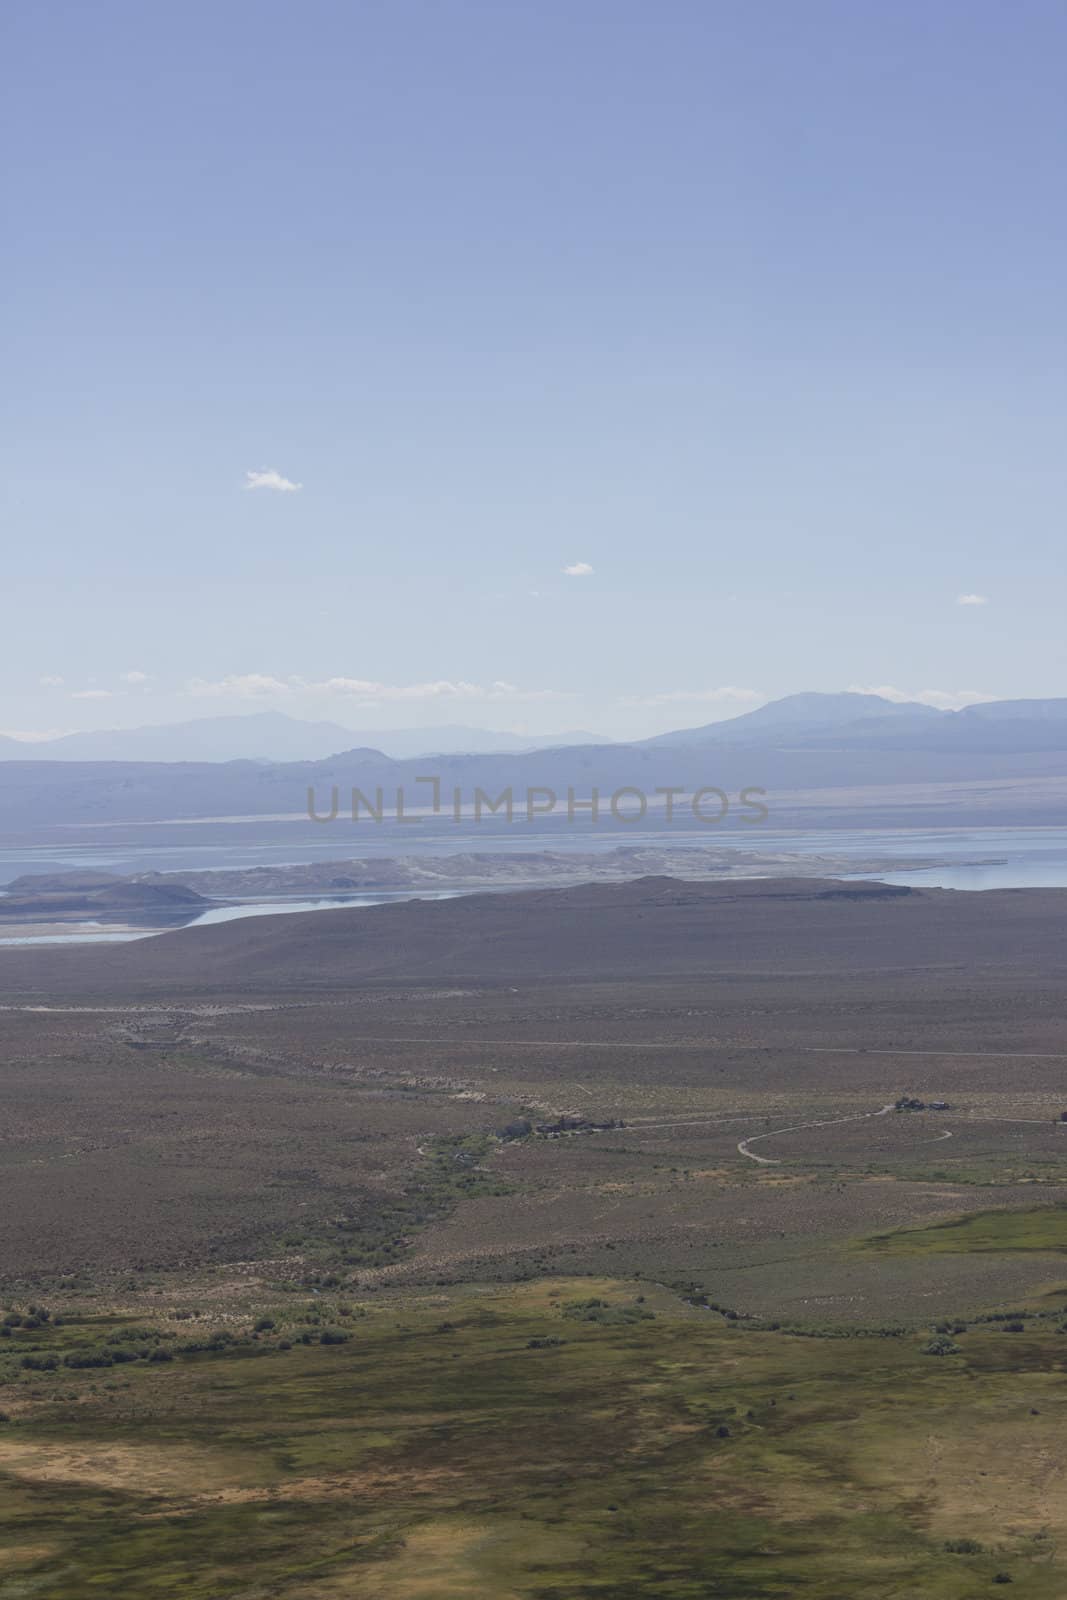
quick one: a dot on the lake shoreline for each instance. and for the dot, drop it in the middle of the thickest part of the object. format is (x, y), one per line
(89, 906)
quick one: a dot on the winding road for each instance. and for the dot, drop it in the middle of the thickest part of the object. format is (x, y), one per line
(797, 1127)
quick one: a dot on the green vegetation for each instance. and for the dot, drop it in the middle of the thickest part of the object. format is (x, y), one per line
(649, 1457)
(998, 1232)
(605, 1313)
(45, 1344)
(379, 1232)
(941, 1345)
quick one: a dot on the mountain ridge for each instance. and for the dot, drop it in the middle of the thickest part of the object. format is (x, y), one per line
(273, 736)
(1013, 742)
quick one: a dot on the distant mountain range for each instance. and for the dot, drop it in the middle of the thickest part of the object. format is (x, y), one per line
(272, 736)
(826, 746)
(868, 721)
(801, 715)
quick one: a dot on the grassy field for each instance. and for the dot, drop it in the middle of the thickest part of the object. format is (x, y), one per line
(554, 1440)
(1044, 1229)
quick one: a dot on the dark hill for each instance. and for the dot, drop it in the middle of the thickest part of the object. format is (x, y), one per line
(653, 927)
(76, 895)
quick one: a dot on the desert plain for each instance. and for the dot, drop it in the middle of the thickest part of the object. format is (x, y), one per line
(637, 1239)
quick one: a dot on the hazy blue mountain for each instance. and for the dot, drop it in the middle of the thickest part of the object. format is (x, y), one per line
(864, 724)
(259, 736)
(271, 736)
(800, 713)
(805, 744)
(457, 739)
(1017, 711)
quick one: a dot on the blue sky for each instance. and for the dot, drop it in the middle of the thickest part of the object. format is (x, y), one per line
(755, 309)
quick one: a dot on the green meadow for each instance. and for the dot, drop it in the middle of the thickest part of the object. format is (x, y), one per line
(554, 1441)
(987, 1232)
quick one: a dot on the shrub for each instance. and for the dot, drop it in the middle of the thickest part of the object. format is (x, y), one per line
(601, 1312)
(218, 1342)
(941, 1345)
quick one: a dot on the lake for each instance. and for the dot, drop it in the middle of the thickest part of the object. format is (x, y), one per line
(1023, 858)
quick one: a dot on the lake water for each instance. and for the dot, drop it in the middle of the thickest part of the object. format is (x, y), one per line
(1031, 856)
(1016, 858)
(99, 933)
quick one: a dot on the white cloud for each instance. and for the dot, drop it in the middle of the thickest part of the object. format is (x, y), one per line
(371, 689)
(972, 600)
(51, 680)
(580, 569)
(941, 699)
(92, 694)
(245, 686)
(727, 695)
(135, 676)
(367, 691)
(269, 479)
(33, 736)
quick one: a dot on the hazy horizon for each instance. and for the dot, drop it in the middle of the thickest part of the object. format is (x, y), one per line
(424, 723)
(439, 713)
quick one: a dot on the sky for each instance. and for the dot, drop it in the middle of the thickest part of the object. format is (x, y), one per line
(578, 364)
